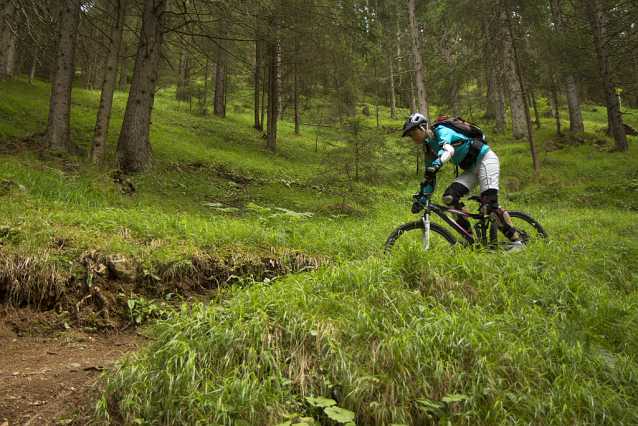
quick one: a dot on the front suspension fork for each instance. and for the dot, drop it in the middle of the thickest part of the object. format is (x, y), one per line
(426, 226)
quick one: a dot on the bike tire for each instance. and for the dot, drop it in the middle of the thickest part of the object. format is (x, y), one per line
(529, 231)
(438, 235)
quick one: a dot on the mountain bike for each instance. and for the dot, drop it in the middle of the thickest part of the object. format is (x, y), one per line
(485, 231)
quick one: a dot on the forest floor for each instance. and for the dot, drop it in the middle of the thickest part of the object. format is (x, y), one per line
(55, 379)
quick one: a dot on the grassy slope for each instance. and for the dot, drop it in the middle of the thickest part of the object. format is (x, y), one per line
(547, 335)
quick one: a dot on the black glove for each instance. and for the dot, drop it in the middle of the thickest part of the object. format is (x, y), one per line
(416, 207)
(430, 172)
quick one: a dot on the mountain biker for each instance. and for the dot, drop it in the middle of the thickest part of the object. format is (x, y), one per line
(480, 167)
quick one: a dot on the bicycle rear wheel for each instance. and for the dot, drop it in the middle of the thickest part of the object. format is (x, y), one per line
(529, 231)
(411, 234)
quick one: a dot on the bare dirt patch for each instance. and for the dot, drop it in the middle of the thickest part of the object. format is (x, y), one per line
(53, 380)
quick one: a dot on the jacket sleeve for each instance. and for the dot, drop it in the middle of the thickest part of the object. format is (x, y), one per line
(444, 138)
(434, 150)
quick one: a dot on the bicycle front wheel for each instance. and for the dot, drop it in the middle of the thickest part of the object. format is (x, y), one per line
(411, 234)
(529, 231)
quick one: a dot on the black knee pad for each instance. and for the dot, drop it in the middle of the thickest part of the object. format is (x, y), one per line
(489, 202)
(452, 195)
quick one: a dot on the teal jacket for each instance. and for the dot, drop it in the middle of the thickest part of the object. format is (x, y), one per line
(461, 144)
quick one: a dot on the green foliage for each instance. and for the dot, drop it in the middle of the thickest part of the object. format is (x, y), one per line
(360, 156)
(141, 309)
(547, 335)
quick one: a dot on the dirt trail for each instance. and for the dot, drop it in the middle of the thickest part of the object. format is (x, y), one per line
(49, 380)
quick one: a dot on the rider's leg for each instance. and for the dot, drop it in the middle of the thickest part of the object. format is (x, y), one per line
(491, 207)
(452, 198)
(488, 170)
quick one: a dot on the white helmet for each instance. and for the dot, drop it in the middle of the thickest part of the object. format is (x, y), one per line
(415, 120)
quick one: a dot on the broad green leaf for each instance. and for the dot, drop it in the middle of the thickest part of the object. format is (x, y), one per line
(130, 303)
(339, 414)
(321, 401)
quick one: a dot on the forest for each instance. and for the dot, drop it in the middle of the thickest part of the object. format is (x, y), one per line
(312, 62)
(196, 197)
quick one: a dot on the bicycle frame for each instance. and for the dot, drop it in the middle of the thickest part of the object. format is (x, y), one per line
(481, 227)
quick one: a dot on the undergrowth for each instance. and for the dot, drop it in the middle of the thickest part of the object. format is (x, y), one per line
(544, 336)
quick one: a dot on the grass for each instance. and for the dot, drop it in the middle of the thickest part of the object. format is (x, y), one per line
(529, 340)
(544, 336)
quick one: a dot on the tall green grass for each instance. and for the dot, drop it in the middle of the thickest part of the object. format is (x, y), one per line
(544, 336)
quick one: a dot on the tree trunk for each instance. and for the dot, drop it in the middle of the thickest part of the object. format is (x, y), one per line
(134, 153)
(376, 93)
(295, 91)
(57, 135)
(573, 98)
(86, 74)
(98, 76)
(445, 46)
(264, 91)
(123, 68)
(517, 107)
(219, 108)
(34, 63)
(338, 96)
(182, 66)
(256, 79)
(419, 68)
(528, 118)
(204, 99)
(393, 104)
(100, 134)
(412, 101)
(273, 95)
(496, 104)
(538, 119)
(8, 28)
(496, 99)
(554, 104)
(279, 103)
(597, 20)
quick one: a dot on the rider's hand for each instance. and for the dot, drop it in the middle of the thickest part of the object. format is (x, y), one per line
(416, 207)
(430, 172)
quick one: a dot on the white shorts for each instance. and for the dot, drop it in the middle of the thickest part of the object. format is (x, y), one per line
(485, 173)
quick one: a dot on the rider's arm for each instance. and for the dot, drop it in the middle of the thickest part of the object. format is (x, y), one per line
(445, 137)
(445, 153)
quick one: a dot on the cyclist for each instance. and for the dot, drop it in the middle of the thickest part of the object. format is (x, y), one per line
(480, 168)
